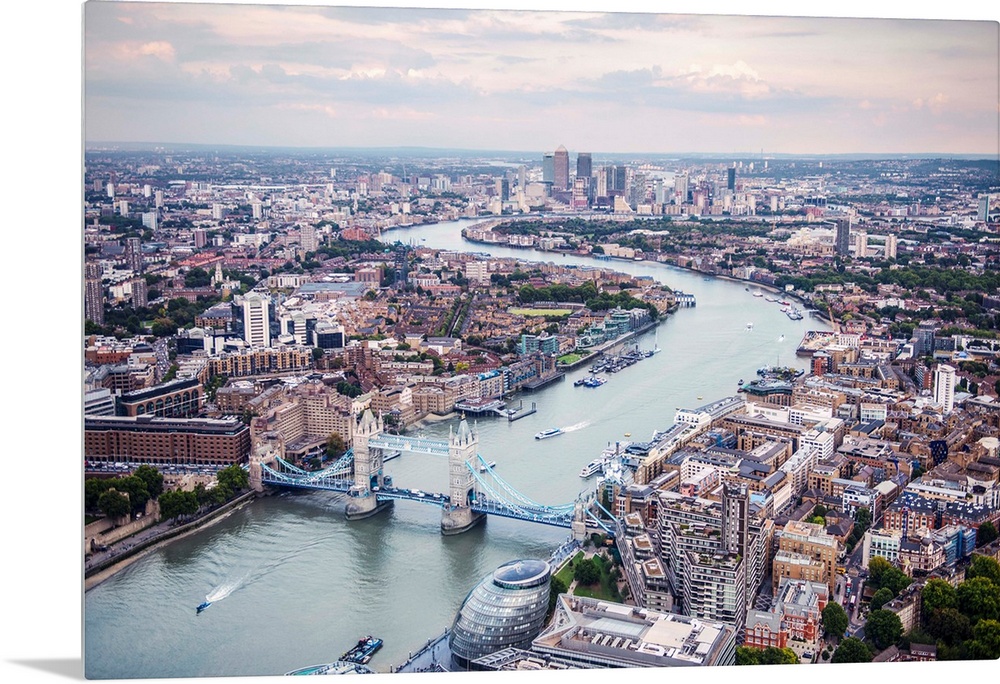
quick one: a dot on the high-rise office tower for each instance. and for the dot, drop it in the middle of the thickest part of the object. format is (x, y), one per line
(944, 387)
(842, 241)
(522, 176)
(618, 179)
(584, 166)
(158, 198)
(560, 179)
(503, 189)
(681, 188)
(548, 168)
(93, 293)
(133, 254)
(257, 320)
(200, 237)
(731, 178)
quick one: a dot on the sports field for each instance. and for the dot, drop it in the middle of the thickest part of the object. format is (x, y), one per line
(540, 312)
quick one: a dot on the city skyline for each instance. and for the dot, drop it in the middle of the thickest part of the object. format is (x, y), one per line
(317, 76)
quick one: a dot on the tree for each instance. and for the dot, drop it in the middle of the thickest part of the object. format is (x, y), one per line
(746, 655)
(852, 650)
(92, 489)
(979, 599)
(895, 580)
(984, 566)
(556, 586)
(863, 517)
(987, 532)
(317, 353)
(113, 504)
(985, 644)
(233, 478)
(335, 447)
(135, 487)
(881, 597)
(772, 655)
(176, 503)
(877, 566)
(884, 628)
(948, 625)
(153, 479)
(586, 571)
(834, 620)
(936, 594)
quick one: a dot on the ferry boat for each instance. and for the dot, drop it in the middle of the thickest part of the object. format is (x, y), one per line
(203, 606)
(758, 293)
(551, 432)
(591, 468)
(594, 381)
(487, 466)
(581, 381)
(363, 651)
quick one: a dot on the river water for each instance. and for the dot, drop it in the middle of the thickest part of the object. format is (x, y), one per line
(293, 583)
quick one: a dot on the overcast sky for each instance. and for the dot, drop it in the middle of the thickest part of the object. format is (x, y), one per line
(523, 80)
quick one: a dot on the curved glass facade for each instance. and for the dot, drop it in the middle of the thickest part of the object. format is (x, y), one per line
(506, 609)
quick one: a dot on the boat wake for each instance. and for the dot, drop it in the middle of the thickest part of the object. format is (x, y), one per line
(576, 426)
(224, 589)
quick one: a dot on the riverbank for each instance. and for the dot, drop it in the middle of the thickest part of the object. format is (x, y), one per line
(129, 552)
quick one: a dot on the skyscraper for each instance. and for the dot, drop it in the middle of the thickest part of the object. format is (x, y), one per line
(842, 241)
(548, 168)
(93, 293)
(561, 171)
(256, 320)
(731, 178)
(944, 387)
(860, 245)
(584, 166)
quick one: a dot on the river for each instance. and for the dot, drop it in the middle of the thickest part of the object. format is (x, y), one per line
(293, 583)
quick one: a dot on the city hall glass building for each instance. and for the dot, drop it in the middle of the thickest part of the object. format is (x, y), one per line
(506, 609)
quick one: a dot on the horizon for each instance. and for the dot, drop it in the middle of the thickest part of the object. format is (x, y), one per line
(147, 146)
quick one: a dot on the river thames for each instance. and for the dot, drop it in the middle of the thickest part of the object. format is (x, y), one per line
(293, 583)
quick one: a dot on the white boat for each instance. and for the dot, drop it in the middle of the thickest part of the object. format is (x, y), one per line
(749, 327)
(592, 467)
(551, 432)
(487, 466)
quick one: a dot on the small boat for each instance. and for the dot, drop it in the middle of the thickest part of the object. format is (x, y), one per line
(487, 466)
(749, 327)
(758, 293)
(363, 651)
(700, 398)
(203, 606)
(579, 382)
(591, 468)
(551, 432)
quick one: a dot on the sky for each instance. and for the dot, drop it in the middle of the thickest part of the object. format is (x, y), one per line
(280, 75)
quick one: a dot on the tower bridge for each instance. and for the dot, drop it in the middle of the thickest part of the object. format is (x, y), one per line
(474, 491)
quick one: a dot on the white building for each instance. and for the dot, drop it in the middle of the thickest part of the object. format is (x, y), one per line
(257, 320)
(944, 387)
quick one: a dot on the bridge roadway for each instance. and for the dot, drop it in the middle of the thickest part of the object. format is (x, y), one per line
(493, 495)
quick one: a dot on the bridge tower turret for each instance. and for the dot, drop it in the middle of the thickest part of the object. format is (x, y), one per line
(463, 447)
(367, 470)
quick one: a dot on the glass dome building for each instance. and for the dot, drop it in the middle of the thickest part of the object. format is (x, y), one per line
(506, 609)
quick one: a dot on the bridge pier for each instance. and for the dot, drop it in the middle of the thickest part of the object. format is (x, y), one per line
(459, 520)
(361, 507)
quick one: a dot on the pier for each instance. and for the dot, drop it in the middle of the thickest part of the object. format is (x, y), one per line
(520, 412)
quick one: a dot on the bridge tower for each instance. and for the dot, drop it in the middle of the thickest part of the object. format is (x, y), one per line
(367, 470)
(458, 515)
(578, 527)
